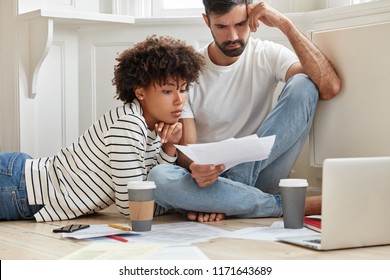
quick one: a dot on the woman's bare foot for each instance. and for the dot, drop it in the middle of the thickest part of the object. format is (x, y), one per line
(313, 205)
(205, 217)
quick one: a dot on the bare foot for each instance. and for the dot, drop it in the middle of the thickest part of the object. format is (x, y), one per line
(313, 205)
(205, 217)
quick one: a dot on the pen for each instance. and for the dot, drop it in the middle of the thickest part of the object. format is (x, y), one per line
(119, 227)
(121, 239)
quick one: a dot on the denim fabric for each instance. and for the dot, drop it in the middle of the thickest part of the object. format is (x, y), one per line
(13, 193)
(249, 189)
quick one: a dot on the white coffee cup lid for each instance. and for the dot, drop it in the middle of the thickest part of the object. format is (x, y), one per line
(141, 185)
(293, 183)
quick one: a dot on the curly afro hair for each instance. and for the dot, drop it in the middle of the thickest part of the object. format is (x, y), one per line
(155, 60)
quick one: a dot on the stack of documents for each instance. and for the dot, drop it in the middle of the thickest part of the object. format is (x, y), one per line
(230, 152)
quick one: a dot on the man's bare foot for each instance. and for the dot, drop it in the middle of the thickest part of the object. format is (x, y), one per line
(313, 205)
(205, 217)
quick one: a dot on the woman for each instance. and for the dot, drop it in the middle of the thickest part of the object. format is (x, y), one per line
(152, 79)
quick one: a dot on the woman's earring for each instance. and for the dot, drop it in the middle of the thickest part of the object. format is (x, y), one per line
(139, 94)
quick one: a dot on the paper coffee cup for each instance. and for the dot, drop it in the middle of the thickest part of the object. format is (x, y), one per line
(293, 201)
(141, 204)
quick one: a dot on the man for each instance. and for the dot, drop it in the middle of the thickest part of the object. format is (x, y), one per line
(233, 99)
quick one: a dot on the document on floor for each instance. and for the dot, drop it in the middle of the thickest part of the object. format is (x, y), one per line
(271, 233)
(178, 234)
(139, 251)
(111, 251)
(230, 152)
(181, 233)
(98, 231)
(178, 253)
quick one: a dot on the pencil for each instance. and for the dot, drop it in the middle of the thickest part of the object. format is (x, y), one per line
(119, 227)
(121, 239)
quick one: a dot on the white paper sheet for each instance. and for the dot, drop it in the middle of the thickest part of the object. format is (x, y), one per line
(119, 251)
(179, 253)
(138, 251)
(178, 234)
(230, 152)
(97, 231)
(173, 234)
(272, 233)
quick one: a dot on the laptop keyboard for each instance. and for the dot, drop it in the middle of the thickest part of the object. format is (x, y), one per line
(316, 241)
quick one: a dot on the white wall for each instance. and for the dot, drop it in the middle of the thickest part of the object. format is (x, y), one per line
(49, 120)
(74, 82)
(98, 53)
(9, 100)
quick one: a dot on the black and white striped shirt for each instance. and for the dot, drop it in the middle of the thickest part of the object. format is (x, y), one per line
(93, 172)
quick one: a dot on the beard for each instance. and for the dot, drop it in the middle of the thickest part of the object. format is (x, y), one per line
(223, 46)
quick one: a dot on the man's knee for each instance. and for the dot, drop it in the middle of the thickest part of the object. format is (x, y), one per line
(158, 173)
(302, 85)
(166, 174)
(300, 90)
(169, 181)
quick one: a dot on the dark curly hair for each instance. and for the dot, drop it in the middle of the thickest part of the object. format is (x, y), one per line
(155, 60)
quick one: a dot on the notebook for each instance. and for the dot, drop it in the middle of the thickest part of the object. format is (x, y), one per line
(313, 222)
(355, 205)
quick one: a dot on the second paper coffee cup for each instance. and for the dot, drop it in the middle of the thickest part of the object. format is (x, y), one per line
(293, 201)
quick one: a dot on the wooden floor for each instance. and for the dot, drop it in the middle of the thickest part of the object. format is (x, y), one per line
(21, 240)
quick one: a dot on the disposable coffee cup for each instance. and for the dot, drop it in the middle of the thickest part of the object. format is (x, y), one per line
(293, 201)
(141, 204)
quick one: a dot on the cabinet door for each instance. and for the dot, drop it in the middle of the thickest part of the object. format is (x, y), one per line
(92, 6)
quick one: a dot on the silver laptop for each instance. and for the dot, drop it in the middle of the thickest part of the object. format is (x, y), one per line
(355, 205)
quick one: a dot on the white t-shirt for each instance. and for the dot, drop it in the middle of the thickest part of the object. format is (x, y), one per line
(232, 101)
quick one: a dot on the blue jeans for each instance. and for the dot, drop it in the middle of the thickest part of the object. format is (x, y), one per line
(250, 189)
(13, 193)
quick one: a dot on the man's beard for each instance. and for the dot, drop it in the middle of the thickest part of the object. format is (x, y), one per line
(231, 52)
